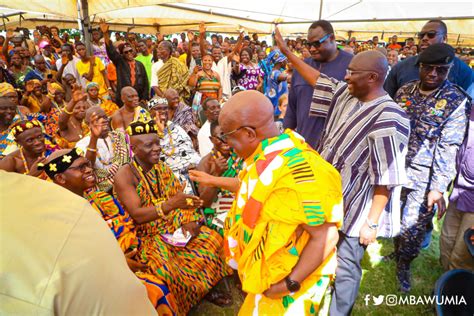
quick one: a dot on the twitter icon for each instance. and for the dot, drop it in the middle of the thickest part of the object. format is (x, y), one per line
(378, 299)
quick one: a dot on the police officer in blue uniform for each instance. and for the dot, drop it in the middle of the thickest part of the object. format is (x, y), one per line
(438, 112)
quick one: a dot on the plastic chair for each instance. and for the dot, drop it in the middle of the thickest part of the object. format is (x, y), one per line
(454, 283)
(467, 239)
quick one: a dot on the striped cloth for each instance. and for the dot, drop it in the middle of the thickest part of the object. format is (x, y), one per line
(367, 143)
(209, 87)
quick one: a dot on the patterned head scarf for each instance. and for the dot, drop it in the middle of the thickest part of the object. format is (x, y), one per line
(22, 126)
(6, 88)
(60, 163)
(275, 56)
(155, 102)
(142, 128)
(92, 85)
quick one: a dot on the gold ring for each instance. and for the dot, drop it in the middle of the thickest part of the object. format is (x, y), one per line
(189, 202)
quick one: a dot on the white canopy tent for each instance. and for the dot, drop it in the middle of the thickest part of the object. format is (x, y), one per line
(360, 18)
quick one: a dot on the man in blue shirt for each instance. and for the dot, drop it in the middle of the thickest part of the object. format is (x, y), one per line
(433, 32)
(329, 60)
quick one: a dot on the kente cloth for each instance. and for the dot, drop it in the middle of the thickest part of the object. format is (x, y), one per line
(209, 87)
(216, 214)
(51, 125)
(112, 153)
(284, 184)
(191, 271)
(7, 141)
(121, 225)
(173, 74)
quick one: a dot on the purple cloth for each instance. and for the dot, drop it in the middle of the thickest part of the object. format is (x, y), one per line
(250, 79)
(463, 192)
(301, 94)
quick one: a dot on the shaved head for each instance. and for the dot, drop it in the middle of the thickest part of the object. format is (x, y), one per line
(371, 60)
(129, 97)
(127, 90)
(366, 75)
(246, 120)
(170, 92)
(247, 108)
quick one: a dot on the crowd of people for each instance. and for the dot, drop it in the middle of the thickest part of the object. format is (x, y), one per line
(208, 156)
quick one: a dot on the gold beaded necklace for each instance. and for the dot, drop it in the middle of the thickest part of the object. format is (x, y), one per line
(25, 164)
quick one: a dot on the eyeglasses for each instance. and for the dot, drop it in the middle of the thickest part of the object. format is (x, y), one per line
(317, 44)
(224, 136)
(430, 34)
(82, 167)
(128, 51)
(440, 70)
(351, 72)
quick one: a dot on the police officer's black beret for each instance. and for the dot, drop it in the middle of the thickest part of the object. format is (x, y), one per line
(437, 54)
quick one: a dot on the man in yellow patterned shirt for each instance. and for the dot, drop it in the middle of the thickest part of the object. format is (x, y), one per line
(281, 232)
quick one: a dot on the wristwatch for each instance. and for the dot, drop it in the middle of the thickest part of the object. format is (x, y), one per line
(292, 285)
(371, 225)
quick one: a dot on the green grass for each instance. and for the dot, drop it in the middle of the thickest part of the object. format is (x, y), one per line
(378, 279)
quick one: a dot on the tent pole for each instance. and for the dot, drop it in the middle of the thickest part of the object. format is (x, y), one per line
(320, 9)
(457, 41)
(84, 23)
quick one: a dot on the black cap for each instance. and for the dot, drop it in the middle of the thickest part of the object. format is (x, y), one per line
(437, 54)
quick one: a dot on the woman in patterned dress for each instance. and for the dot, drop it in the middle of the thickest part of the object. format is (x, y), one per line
(248, 74)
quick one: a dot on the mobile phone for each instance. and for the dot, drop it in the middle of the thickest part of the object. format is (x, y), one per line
(199, 61)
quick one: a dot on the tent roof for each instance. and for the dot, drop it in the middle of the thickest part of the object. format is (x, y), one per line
(293, 16)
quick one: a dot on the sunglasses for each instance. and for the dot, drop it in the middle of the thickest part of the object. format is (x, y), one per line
(128, 51)
(440, 70)
(430, 34)
(317, 43)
